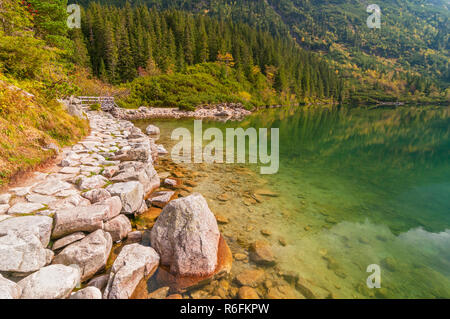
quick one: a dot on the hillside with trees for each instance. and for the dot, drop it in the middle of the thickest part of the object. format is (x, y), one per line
(35, 69)
(256, 68)
(406, 59)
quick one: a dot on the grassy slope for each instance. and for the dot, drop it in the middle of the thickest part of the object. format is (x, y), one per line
(27, 124)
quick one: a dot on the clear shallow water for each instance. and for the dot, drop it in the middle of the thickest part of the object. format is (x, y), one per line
(357, 187)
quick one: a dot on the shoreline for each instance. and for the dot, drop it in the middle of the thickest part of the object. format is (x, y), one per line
(68, 218)
(219, 112)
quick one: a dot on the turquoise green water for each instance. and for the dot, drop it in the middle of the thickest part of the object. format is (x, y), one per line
(357, 187)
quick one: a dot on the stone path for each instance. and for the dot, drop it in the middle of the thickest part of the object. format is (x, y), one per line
(58, 230)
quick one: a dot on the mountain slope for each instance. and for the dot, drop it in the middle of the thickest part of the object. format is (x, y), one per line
(407, 59)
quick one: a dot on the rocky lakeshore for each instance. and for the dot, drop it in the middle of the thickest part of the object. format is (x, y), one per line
(222, 112)
(116, 219)
(69, 233)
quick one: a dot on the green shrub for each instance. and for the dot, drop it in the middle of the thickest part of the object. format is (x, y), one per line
(95, 107)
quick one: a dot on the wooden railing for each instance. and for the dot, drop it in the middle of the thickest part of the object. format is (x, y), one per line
(107, 102)
(95, 99)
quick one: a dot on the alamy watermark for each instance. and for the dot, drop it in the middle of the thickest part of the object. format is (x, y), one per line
(232, 152)
(74, 18)
(374, 20)
(374, 280)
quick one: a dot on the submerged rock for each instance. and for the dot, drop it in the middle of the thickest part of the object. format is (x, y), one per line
(51, 282)
(186, 236)
(247, 293)
(261, 253)
(251, 278)
(90, 253)
(134, 263)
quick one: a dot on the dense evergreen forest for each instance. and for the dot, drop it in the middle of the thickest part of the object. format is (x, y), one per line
(407, 59)
(124, 43)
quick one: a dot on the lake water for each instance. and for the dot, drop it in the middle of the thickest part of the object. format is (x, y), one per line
(356, 187)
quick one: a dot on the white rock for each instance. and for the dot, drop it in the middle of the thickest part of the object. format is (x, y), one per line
(70, 170)
(134, 263)
(130, 193)
(118, 227)
(170, 182)
(152, 130)
(24, 208)
(40, 226)
(4, 208)
(22, 253)
(96, 195)
(51, 282)
(9, 289)
(90, 254)
(85, 219)
(87, 293)
(21, 191)
(51, 187)
(160, 199)
(5, 198)
(186, 236)
(40, 199)
(65, 241)
(115, 207)
(96, 181)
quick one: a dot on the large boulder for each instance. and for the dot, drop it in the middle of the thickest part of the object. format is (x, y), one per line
(118, 227)
(186, 236)
(84, 218)
(90, 254)
(9, 289)
(40, 226)
(22, 253)
(134, 263)
(51, 282)
(130, 193)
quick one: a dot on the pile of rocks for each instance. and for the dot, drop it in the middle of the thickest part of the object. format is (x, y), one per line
(223, 111)
(58, 231)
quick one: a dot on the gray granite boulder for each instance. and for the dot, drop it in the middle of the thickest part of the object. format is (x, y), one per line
(186, 236)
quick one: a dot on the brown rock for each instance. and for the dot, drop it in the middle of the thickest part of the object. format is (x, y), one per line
(251, 278)
(247, 293)
(261, 253)
(160, 293)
